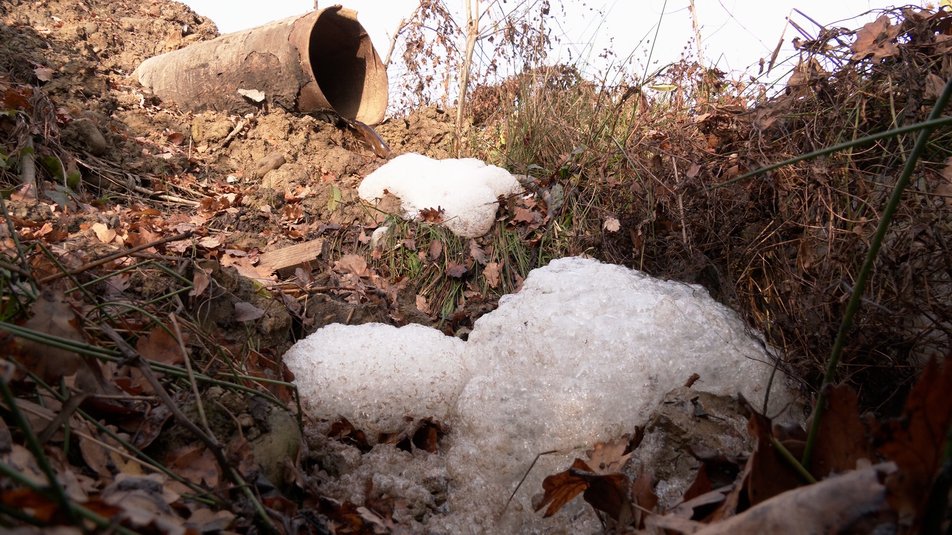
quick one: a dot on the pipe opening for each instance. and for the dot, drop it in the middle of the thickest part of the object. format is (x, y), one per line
(344, 64)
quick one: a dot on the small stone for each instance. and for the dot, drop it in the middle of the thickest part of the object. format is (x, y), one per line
(87, 135)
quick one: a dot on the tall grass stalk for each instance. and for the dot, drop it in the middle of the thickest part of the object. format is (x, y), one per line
(859, 287)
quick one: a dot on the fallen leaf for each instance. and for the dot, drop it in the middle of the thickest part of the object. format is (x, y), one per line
(916, 439)
(352, 263)
(205, 520)
(523, 215)
(144, 500)
(432, 215)
(104, 233)
(175, 138)
(491, 272)
(160, 346)
(477, 252)
(643, 493)
(562, 488)
(51, 315)
(842, 439)
(43, 74)
(210, 242)
(770, 474)
(611, 224)
(455, 271)
(254, 95)
(876, 40)
(436, 249)
(422, 305)
(195, 463)
(200, 281)
(247, 312)
(601, 479)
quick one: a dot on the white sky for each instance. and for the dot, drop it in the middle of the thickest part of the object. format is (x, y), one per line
(735, 33)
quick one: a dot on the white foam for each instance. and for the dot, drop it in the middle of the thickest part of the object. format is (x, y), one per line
(582, 353)
(465, 189)
(377, 375)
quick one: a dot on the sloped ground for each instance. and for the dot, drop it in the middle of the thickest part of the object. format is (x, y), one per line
(188, 203)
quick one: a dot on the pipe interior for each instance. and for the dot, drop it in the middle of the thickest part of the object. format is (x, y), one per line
(343, 63)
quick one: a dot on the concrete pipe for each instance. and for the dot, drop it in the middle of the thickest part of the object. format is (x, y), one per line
(322, 61)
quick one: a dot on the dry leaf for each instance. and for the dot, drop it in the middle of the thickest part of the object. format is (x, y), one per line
(561, 488)
(491, 272)
(195, 463)
(200, 281)
(915, 440)
(436, 249)
(769, 474)
(611, 224)
(455, 271)
(104, 233)
(842, 439)
(51, 315)
(43, 74)
(352, 263)
(876, 39)
(422, 305)
(210, 242)
(160, 346)
(478, 253)
(247, 312)
(432, 215)
(600, 478)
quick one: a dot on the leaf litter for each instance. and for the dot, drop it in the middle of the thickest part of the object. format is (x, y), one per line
(170, 229)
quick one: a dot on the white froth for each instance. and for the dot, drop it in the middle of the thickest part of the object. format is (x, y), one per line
(582, 353)
(465, 189)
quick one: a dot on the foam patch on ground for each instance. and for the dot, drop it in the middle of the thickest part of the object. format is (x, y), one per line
(465, 189)
(375, 375)
(582, 353)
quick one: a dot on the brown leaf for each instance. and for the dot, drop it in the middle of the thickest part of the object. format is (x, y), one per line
(205, 520)
(455, 271)
(915, 440)
(478, 253)
(422, 305)
(842, 438)
(770, 474)
(643, 493)
(427, 437)
(693, 171)
(345, 431)
(247, 312)
(436, 249)
(352, 263)
(876, 39)
(195, 463)
(160, 346)
(432, 215)
(492, 272)
(609, 457)
(43, 74)
(104, 233)
(524, 215)
(609, 493)
(144, 500)
(200, 282)
(51, 315)
(561, 488)
(18, 98)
